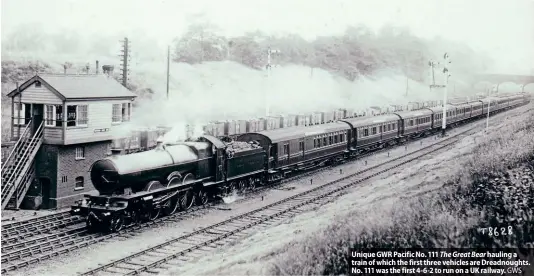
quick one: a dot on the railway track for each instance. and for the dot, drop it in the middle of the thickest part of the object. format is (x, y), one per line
(18, 253)
(17, 247)
(182, 249)
(37, 227)
(32, 241)
(47, 218)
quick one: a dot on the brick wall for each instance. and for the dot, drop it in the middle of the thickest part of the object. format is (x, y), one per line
(70, 167)
(46, 169)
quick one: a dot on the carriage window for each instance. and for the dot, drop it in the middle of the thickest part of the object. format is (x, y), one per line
(373, 130)
(301, 145)
(314, 142)
(366, 132)
(286, 148)
(341, 137)
(330, 140)
(380, 129)
(319, 142)
(324, 141)
(335, 139)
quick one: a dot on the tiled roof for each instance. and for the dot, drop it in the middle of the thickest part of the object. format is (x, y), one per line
(82, 86)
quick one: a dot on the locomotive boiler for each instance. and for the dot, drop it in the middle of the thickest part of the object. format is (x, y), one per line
(132, 173)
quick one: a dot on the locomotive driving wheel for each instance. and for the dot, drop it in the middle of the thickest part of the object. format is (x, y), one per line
(154, 213)
(186, 199)
(171, 205)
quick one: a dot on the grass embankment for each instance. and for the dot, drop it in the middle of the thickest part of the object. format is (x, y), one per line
(494, 187)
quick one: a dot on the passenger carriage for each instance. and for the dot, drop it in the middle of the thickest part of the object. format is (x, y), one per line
(463, 111)
(438, 116)
(416, 122)
(372, 132)
(476, 109)
(301, 147)
(492, 105)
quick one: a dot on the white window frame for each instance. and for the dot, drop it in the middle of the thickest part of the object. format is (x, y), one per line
(22, 119)
(78, 117)
(116, 114)
(50, 122)
(80, 153)
(77, 111)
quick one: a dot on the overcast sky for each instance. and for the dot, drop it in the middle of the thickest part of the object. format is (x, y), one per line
(503, 28)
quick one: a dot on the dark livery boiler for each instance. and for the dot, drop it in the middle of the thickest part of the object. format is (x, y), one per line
(132, 173)
(142, 186)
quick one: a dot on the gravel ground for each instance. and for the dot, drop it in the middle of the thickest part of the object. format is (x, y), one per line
(251, 254)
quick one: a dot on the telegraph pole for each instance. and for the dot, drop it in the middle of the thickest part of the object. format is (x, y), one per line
(125, 58)
(433, 64)
(406, 73)
(487, 117)
(406, 85)
(168, 68)
(268, 67)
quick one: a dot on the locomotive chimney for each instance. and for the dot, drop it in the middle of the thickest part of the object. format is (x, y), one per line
(96, 67)
(64, 69)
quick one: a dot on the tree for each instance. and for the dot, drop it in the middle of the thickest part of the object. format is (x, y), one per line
(200, 42)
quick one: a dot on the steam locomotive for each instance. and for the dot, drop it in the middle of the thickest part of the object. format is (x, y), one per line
(174, 176)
